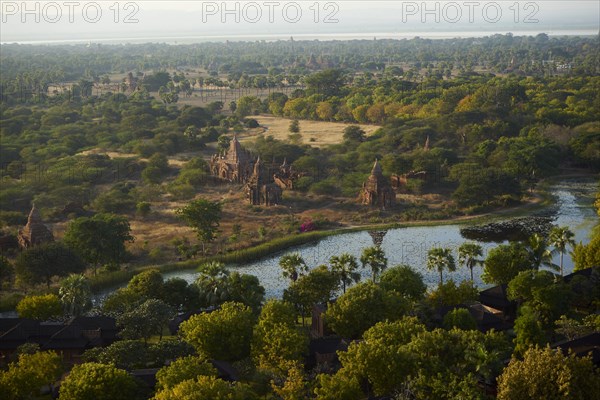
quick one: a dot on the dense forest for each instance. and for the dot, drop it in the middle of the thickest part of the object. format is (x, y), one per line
(111, 145)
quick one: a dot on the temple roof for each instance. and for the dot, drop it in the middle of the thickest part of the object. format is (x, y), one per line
(236, 152)
(35, 232)
(376, 168)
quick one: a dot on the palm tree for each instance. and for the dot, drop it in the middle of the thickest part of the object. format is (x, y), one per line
(560, 238)
(345, 266)
(539, 254)
(375, 258)
(75, 295)
(467, 256)
(213, 283)
(292, 266)
(440, 258)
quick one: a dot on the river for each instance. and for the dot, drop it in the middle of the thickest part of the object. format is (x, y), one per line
(573, 208)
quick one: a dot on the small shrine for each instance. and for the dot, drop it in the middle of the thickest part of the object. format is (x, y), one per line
(377, 190)
(35, 232)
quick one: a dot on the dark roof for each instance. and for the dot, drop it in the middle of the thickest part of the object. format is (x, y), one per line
(57, 335)
(98, 322)
(587, 273)
(486, 319)
(496, 297)
(70, 337)
(7, 324)
(582, 346)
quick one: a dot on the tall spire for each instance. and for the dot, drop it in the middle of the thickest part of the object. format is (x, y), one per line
(426, 146)
(257, 167)
(376, 168)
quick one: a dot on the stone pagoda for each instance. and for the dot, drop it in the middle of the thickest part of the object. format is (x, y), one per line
(235, 166)
(35, 232)
(260, 189)
(377, 190)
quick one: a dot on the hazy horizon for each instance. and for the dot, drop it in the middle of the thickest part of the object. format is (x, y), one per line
(196, 21)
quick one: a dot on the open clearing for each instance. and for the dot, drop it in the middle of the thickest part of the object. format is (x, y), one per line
(314, 133)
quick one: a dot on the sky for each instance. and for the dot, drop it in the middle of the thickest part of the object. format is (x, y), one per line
(178, 21)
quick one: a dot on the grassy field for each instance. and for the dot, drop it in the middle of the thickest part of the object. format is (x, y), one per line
(314, 133)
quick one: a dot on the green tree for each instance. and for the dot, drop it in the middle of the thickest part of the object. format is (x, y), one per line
(460, 318)
(338, 387)
(451, 294)
(560, 238)
(294, 126)
(549, 374)
(382, 358)
(405, 281)
(212, 283)
(42, 307)
(539, 254)
(223, 334)
(75, 295)
(345, 266)
(183, 369)
(328, 82)
(24, 379)
(121, 300)
(293, 384)
(207, 387)
(223, 143)
(467, 256)
(529, 330)
(203, 216)
(354, 133)
(318, 286)
(292, 266)
(375, 259)
(180, 295)
(523, 286)
(245, 289)
(449, 363)
(276, 340)
(504, 262)
(124, 354)
(147, 284)
(41, 263)
(362, 307)
(6, 272)
(99, 239)
(440, 259)
(97, 381)
(148, 319)
(588, 255)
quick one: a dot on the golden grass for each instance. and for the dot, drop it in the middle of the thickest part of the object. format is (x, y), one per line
(314, 133)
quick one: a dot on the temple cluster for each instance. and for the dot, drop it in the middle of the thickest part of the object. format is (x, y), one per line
(263, 183)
